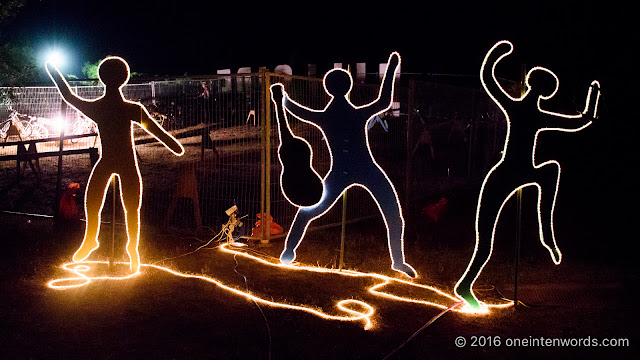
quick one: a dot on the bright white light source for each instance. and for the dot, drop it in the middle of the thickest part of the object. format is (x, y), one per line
(58, 124)
(55, 58)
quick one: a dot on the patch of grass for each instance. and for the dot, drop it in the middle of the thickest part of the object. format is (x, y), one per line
(159, 316)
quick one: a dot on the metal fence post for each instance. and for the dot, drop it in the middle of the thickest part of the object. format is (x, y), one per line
(518, 239)
(263, 76)
(407, 173)
(470, 142)
(266, 221)
(343, 230)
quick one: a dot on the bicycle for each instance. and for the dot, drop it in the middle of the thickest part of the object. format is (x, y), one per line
(82, 126)
(20, 122)
(38, 131)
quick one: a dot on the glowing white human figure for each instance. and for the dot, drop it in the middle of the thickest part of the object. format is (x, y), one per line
(344, 127)
(114, 117)
(525, 120)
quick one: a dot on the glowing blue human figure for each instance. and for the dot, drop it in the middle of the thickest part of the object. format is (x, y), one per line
(344, 127)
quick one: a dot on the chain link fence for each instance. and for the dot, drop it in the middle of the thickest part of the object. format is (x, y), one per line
(434, 136)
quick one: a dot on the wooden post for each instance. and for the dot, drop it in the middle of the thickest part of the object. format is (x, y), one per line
(186, 188)
(56, 204)
(14, 131)
(203, 139)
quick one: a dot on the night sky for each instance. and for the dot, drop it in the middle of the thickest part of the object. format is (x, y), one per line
(199, 37)
(579, 41)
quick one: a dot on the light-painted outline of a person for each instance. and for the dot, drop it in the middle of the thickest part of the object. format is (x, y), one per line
(344, 127)
(525, 120)
(114, 117)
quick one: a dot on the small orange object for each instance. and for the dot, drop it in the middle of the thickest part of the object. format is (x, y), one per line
(436, 210)
(257, 229)
(68, 209)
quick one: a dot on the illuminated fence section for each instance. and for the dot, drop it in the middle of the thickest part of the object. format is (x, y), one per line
(33, 101)
(35, 191)
(219, 123)
(434, 138)
(232, 167)
(221, 166)
(454, 136)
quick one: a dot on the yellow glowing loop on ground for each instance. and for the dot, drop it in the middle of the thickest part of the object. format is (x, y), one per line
(556, 255)
(79, 269)
(316, 118)
(357, 310)
(114, 117)
(374, 289)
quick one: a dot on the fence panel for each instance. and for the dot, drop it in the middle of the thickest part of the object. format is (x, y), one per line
(433, 135)
(455, 137)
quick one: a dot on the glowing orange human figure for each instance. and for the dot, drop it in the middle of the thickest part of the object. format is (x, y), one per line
(344, 126)
(525, 120)
(114, 117)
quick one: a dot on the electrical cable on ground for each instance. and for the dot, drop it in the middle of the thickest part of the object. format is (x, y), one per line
(190, 252)
(519, 301)
(266, 322)
(431, 321)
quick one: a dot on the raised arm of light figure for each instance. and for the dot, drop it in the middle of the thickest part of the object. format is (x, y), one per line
(63, 87)
(488, 73)
(385, 96)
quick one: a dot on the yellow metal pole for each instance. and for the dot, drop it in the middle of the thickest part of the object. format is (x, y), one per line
(262, 161)
(344, 211)
(266, 221)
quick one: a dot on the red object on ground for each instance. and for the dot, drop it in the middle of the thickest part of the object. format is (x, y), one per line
(257, 229)
(68, 209)
(436, 210)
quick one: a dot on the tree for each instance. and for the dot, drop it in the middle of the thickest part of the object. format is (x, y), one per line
(9, 9)
(17, 62)
(90, 70)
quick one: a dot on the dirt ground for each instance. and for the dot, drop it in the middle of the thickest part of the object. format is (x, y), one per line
(157, 315)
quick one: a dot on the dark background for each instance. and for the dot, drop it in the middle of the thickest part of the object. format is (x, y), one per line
(179, 37)
(579, 41)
